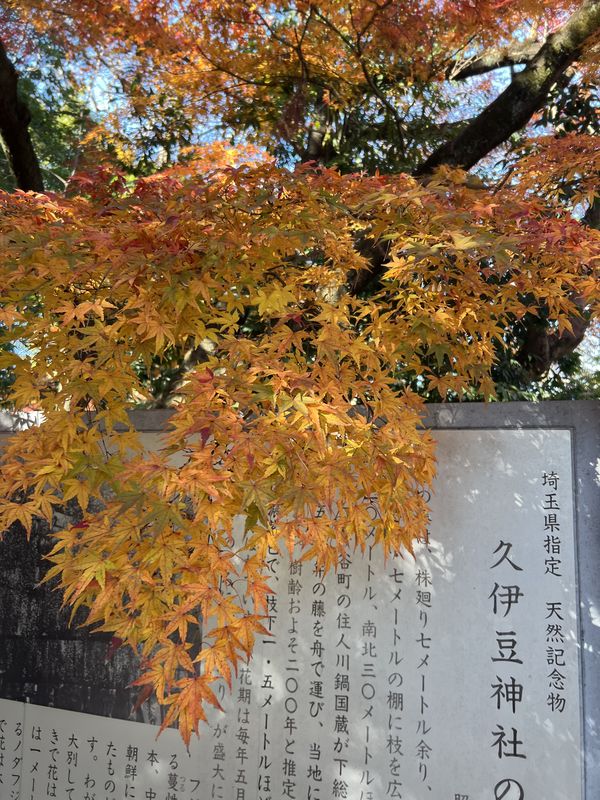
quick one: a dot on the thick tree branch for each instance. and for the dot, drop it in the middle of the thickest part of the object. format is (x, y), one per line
(14, 129)
(541, 349)
(525, 95)
(494, 58)
(591, 218)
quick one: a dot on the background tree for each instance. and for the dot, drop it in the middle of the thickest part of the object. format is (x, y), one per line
(293, 294)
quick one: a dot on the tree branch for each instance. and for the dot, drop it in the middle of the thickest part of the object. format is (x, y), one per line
(525, 95)
(494, 58)
(541, 349)
(14, 129)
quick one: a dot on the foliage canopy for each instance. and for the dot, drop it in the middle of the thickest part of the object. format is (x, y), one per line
(301, 307)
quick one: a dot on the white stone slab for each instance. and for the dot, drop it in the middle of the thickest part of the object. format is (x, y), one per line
(379, 681)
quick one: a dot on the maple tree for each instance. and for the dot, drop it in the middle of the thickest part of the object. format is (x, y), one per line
(301, 296)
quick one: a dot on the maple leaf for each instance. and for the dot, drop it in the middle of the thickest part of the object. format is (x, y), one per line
(187, 706)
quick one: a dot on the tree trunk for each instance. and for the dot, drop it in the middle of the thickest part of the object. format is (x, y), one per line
(14, 129)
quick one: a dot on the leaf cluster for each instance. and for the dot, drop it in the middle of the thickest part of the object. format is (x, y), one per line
(295, 408)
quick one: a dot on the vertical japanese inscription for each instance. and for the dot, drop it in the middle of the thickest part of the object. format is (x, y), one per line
(555, 633)
(507, 689)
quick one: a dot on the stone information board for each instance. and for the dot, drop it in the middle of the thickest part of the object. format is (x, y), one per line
(453, 675)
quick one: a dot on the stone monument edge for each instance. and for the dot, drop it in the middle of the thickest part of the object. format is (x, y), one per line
(582, 418)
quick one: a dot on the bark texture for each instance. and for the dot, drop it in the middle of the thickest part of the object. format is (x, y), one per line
(541, 348)
(14, 129)
(525, 95)
(494, 58)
